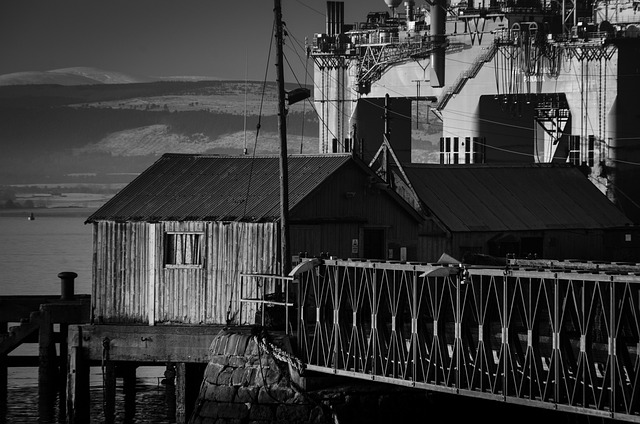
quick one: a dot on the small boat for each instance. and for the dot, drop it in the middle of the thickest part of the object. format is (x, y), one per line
(31, 217)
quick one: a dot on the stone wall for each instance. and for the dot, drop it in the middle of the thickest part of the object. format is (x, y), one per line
(252, 378)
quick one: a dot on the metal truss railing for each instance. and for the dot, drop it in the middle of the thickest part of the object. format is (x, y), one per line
(565, 340)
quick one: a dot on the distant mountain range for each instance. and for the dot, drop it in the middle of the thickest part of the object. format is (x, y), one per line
(85, 76)
(86, 125)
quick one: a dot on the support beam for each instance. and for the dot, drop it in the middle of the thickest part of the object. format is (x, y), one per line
(128, 371)
(77, 386)
(188, 379)
(181, 393)
(155, 344)
(47, 370)
(62, 372)
(4, 380)
(170, 391)
(109, 392)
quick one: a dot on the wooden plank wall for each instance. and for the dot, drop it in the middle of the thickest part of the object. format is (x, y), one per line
(180, 292)
(119, 290)
(124, 256)
(238, 248)
(344, 205)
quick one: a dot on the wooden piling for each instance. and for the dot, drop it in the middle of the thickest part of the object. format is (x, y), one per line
(187, 386)
(62, 372)
(109, 372)
(170, 390)
(188, 377)
(4, 379)
(129, 387)
(181, 389)
(77, 381)
(47, 369)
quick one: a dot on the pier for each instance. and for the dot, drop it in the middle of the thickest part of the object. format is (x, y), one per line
(551, 335)
(43, 320)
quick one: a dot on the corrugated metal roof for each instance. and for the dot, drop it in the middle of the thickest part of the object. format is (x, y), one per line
(181, 187)
(513, 197)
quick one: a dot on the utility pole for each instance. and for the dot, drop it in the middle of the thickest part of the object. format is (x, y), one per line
(282, 128)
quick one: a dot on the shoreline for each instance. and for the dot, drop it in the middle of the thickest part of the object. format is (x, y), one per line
(49, 212)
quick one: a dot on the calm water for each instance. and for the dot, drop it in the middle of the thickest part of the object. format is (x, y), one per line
(32, 253)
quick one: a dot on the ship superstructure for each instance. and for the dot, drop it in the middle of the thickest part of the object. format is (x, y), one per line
(510, 81)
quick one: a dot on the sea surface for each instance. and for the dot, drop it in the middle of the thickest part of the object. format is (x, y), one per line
(32, 253)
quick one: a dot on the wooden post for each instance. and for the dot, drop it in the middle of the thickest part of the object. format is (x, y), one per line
(129, 388)
(62, 372)
(47, 385)
(77, 382)
(109, 392)
(170, 390)
(4, 379)
(188, 378)
(181, 395)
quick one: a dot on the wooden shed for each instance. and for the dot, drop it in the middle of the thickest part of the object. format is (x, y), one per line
(172, 245)
(541, 210)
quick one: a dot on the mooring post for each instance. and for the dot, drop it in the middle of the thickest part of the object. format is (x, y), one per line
(77, 381)
(47, 385)
(129, 388)
(67, 283)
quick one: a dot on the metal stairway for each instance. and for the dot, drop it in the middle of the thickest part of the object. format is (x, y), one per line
(457, 86)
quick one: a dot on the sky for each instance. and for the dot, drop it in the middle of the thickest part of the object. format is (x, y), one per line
(229, 40)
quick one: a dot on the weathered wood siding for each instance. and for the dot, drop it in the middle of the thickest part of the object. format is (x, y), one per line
(432, 242)
(331, 217)
(132, 284)
(238, 248)
(120, 279)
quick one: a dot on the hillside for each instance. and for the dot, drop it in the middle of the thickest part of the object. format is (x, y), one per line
(86, 125)
(107, 132)
(71, 76)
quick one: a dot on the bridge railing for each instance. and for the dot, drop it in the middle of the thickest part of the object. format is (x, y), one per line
(563, 339)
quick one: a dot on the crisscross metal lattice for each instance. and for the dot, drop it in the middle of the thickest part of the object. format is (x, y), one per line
(565, 340)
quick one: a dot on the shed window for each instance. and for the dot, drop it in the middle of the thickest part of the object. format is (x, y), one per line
(183, 249)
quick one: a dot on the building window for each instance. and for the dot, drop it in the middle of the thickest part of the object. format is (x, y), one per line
(183, 249)
(453, 150)
(467, 150)
(574, 150)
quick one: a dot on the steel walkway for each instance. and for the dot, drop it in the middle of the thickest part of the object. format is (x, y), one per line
(565, 339)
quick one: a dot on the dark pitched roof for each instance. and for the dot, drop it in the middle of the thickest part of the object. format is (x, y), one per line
(512, 197)
(181, 187)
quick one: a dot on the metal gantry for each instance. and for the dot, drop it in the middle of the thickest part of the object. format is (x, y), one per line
(560, 339)
(372, 52)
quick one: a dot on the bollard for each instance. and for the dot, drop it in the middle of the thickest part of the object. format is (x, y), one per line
(66, 284)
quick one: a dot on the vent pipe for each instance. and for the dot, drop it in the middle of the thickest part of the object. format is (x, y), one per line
(410, 7)
(335, 18)
(438, 17)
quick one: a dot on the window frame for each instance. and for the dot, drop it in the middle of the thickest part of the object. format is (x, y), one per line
(166, 251)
